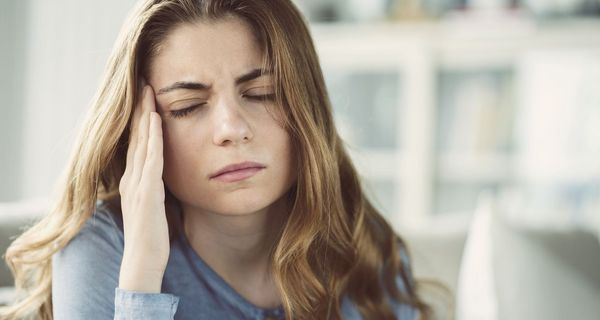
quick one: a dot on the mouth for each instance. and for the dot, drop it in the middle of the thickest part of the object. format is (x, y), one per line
(237, 171)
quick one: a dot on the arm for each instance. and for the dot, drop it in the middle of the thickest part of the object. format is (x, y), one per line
(85, 277)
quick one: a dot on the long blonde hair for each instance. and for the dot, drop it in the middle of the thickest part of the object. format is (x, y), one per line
(334, 241)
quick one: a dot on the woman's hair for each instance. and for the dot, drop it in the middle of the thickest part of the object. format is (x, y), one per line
(334, 241)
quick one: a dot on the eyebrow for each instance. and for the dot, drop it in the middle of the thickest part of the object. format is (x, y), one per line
(253, 74)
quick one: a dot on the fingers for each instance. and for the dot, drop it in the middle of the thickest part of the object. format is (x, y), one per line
(133, 130)
(153, 166)
(139, 157)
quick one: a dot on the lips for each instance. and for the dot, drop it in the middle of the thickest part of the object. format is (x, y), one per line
(237, 171)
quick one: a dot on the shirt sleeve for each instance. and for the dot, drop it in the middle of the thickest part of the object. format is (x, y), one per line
(85, 278)
(131, 305)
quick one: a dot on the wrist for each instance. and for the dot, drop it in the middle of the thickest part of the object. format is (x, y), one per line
(140, 277)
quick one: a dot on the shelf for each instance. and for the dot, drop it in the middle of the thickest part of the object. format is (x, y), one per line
(454, 129)
(567, 170)
(482, 168)
(378, 164)
(463, 45)
(439, 224)
(475, 168)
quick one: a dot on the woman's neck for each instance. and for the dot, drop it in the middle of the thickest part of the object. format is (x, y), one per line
(238, 247)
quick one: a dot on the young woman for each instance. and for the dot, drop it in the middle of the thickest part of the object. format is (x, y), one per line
(209, 182)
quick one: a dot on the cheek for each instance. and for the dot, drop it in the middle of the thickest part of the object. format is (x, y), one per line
(282, 150)
(170, 144)
(179, 146)
(275, 115)
(183, 171)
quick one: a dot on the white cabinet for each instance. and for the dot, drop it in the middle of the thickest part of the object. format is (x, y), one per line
(429, 110)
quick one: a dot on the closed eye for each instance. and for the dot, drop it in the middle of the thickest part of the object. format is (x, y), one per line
(185, 111)
(261, 97)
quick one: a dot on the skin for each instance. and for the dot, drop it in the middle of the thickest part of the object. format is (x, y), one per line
(231, 225)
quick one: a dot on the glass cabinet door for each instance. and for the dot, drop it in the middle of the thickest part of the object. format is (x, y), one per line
(366, 107)
(474, 140)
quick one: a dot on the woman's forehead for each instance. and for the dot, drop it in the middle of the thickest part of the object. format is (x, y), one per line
(221, 47)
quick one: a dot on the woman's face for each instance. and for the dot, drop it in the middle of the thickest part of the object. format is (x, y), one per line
(217, 110)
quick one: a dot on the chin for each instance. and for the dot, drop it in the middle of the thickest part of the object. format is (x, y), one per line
(245, 203)
(241, 209)
(240, 204)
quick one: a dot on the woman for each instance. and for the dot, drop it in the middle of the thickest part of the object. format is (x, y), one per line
(209, 182)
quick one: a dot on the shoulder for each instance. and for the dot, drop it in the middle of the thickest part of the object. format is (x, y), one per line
(103, 230)
(85, 272)
(106, 216)
(402, 284)
(405, 286)
(401, 310)
(101, 236)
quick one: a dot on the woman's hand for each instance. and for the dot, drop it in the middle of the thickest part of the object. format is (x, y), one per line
(146, 232)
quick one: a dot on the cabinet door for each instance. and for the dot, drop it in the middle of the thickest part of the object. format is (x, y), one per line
(366, 106)
(474, 140)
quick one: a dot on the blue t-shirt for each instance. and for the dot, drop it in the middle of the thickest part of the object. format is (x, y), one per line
(85, 279)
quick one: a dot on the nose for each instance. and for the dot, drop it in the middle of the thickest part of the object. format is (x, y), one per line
(231, 126)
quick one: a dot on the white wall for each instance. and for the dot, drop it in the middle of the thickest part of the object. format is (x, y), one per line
(52, 61)
(13, 20)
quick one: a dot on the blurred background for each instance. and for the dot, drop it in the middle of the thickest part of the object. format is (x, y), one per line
(475, 125)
